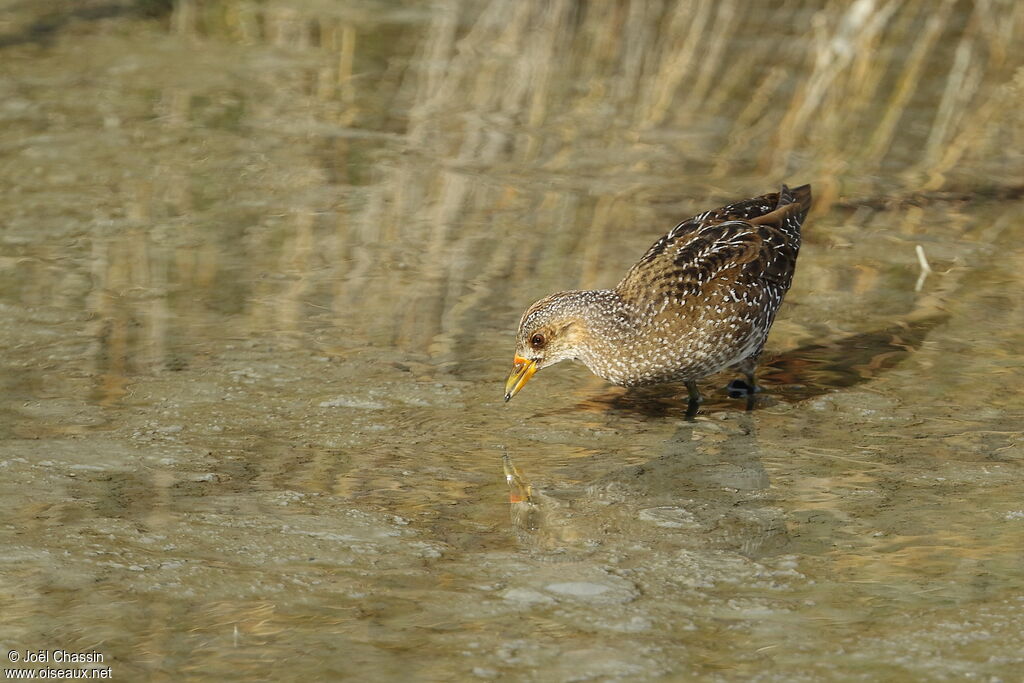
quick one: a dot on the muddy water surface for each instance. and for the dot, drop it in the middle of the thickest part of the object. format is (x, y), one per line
(261, 268)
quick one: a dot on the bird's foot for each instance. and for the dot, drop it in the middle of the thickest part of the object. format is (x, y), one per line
(740, 389)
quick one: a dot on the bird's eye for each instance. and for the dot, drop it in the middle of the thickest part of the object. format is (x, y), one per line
(537, 340)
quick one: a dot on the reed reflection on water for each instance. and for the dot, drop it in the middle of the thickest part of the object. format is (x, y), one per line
(261, 268)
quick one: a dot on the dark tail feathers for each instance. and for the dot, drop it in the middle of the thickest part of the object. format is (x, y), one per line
(798, 195)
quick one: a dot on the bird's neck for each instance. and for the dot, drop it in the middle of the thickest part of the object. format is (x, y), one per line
(606, 319)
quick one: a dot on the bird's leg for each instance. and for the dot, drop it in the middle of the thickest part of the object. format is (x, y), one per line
(695, 399)
(752, 382)
(738, 389)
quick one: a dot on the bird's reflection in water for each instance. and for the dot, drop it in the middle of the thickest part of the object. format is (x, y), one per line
(709, 472)
(708, 487)
(540, 521)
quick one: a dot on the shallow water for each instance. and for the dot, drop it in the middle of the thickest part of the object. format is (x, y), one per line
(261, 268)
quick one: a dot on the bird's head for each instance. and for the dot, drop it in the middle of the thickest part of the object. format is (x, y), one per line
(551, 330)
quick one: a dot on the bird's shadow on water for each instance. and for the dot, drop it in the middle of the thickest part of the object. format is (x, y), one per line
(790, 377)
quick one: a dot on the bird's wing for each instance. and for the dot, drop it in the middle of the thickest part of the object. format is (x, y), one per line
(738, 211)
(755, 238)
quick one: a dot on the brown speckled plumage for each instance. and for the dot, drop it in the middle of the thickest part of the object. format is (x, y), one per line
(701, 299)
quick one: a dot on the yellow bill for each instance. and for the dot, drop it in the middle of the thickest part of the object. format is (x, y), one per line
(522, 371)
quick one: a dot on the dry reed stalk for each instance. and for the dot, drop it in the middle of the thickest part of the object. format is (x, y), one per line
(679, 58)
(908, 82)
(725, 20)
(603, 97)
